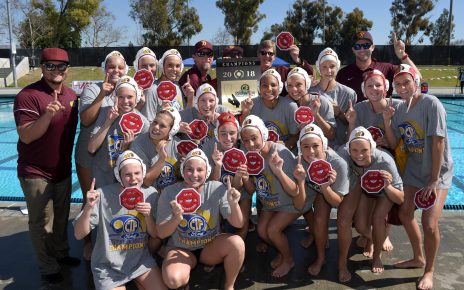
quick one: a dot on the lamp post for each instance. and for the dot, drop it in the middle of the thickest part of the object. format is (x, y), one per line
(12, 45)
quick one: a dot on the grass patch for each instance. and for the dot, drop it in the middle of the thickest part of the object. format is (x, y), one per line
(436, 76)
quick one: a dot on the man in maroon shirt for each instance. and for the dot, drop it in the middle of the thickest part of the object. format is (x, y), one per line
(363, 46)
(46, 118)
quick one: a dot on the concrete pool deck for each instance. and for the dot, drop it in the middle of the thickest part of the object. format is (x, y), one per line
(18, 269)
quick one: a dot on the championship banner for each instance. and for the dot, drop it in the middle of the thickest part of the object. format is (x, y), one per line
(235, 79)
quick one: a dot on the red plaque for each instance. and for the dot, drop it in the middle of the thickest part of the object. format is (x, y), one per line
(129, 197)
(255, 163)
(189, 199)
(375, 132)
(284, 40)
(273, 136)
(144, 78)
(199, 129)
(131, 121)
(166, 91)
(232, 159)
(424, 203)
(318, 171)
(372, 181)
(304, 115)
(185, 146)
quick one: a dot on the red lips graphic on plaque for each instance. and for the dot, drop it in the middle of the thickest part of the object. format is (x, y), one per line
(372, 181)
(284, 40)
(375, 132)
(131, 121)
(189, 199)
(318, 171)
(232, 159)
(199, 129)
(144, 78)
(254, 162)
(129, 197)
(273, 136)
(166, 91)
(304, 115)
(424, 203)
(185, 146)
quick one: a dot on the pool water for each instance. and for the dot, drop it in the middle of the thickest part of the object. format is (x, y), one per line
(11, 190)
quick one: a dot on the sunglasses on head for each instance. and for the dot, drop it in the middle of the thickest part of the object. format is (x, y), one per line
(203, 53)
(268, 53)
(53, 67)
(359, 46)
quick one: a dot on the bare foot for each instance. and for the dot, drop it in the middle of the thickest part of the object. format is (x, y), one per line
(368, 249)
(306, 243)
(261, 247)
(387, 245)
(361, 242)
(377, 266)
(315, 268)
(409, 264)
(87, 250)
(283, 269)
(426, 282)
(344, 275)
(277, 261)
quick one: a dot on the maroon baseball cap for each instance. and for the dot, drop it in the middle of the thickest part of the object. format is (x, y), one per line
(203, 44)
(360, 35)
(54, 53)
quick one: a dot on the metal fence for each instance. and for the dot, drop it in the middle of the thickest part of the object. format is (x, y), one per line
(420, 54)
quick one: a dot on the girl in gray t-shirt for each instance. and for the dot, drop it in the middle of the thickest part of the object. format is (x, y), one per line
(312, 145)
(123, 228)
(420, 124)
(189, 216)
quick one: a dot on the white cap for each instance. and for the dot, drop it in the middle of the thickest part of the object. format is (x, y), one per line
(256, 122)
(361, 133)
(273, 73)
(114, 53)
(196, 154)
(325, 55)
(166, 54)
(406, 68)
(203, 89)
(299, 71)
(372, 73)
(128, 157)
(128, 82)
(177, 119)
(307, 131)
(143, 52)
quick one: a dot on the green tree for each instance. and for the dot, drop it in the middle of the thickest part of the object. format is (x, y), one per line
(303, 20)
(166, 22)
(101, 32)
(241, 18)
(273, 32)
(352, 23)
(409, 17)
(332, 25)
(64, 21)
(439, 35)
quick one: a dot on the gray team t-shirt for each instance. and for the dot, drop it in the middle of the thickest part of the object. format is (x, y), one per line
(197, 229)
(416, 127)
(366, 117)
(120, 253)
(341, 94)
(280, 119)
(146, 150)
(102, 171)
(89, 94)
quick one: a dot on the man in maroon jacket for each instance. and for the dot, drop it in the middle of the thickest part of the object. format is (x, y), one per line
(46, 118)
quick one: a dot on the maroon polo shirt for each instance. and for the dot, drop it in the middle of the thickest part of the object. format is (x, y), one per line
(49, 156)
(351, 76)
(196, 79)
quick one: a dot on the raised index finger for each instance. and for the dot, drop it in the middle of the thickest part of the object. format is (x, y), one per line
(107, 76)
(215, 147)
(299, 159)
(55, 96)
(188, 79)
(394, 39)
(92, 185)
(227, 180)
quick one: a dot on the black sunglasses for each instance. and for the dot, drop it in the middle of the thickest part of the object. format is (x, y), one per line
(202, 53)
(268, 53)
(53, 67)
(359, 46)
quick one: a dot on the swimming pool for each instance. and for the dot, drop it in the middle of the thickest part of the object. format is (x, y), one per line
(11, 190)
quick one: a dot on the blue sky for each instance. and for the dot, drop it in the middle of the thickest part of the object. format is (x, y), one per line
(275, 10)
